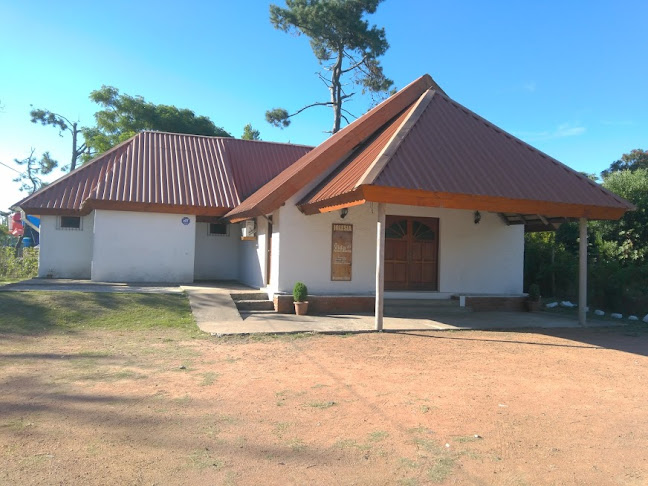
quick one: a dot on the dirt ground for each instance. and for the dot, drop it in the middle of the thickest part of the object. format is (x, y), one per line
(485, 408)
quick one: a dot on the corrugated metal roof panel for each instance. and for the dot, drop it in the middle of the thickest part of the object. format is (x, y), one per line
(167, 169)
(451, 149)
(345, 178)
(242, 153)
(448, 149)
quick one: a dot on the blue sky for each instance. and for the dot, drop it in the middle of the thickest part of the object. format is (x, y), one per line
(566, 77)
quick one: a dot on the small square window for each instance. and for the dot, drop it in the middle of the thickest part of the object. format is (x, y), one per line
(70, 222)
(218, 229)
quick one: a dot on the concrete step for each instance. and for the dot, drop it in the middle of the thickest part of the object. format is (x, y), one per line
(245, 314)
(422, 303)
(254, 305)
(236, 296)
(423, 309)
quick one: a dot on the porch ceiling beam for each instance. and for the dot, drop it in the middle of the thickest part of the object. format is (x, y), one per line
(542, 218)
(353, 198)
(503, 217)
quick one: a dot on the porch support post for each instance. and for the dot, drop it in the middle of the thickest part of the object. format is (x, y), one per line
(582, 272)
(380, 266)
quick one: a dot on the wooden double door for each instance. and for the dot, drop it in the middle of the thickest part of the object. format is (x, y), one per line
(411, 253)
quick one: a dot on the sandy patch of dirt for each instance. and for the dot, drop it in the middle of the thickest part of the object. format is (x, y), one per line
(566, 407)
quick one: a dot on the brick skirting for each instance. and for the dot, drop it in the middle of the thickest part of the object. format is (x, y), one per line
(323, 304)
(349, 304)
(485, 303)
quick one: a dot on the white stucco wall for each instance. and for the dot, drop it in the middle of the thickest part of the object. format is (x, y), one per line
(65, 253)
(474, 258)
(143, 247)
(217, 256)
(252, 257)
(276, 249)
(305, 250)
(483, 258)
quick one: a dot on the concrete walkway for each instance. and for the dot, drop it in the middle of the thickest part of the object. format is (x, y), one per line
(216, 313)
(290, 323)
(213, 307)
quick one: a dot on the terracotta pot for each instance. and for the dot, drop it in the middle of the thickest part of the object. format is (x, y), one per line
(301, 308)
(532, 305)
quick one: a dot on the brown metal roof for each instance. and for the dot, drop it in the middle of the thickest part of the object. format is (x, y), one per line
(344, 179)
(451, 149)
(167, 172)
(327, 155)
(441, 149)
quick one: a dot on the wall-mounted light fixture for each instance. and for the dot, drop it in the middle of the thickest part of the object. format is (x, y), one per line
(344, 212)
(477, 217)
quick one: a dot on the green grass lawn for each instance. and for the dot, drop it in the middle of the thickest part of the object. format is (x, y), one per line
(41, 311)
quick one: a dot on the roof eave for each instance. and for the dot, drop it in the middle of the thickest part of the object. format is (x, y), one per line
(416, 197)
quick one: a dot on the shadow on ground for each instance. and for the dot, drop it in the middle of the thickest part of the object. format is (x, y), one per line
(630, 339)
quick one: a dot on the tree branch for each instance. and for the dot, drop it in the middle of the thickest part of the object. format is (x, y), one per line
(324, 80)
(349, 113)
(356, 65)
(323, 103)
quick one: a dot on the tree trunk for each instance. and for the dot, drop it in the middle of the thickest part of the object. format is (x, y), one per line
(336, 92)
(75, 154)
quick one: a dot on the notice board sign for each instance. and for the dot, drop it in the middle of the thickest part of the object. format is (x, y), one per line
(341, 251)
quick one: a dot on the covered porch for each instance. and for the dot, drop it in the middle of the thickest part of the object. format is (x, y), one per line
(421, 150)
(437, 154)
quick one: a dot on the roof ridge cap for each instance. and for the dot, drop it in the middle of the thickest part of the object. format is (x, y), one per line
(220, 137)
(289, 144)
(390, 148)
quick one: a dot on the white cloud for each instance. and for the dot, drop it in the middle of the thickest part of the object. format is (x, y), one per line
(561, 131)
(566, 130)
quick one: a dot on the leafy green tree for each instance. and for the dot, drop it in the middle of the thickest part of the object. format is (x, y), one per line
(46, 117)
(343, 44)
(250, 133)
(636, 159)
(630, 233)
(123, 116)
(30, 179)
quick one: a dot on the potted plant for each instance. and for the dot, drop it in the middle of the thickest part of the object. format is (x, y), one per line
(300, 294)
(533, 300)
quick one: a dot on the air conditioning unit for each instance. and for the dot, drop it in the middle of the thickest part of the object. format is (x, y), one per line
(248, 229)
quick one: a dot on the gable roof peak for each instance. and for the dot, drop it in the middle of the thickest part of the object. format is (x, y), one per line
(330, 153)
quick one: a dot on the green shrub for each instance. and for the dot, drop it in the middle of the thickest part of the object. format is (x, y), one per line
(18, 267)
(300, 292)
